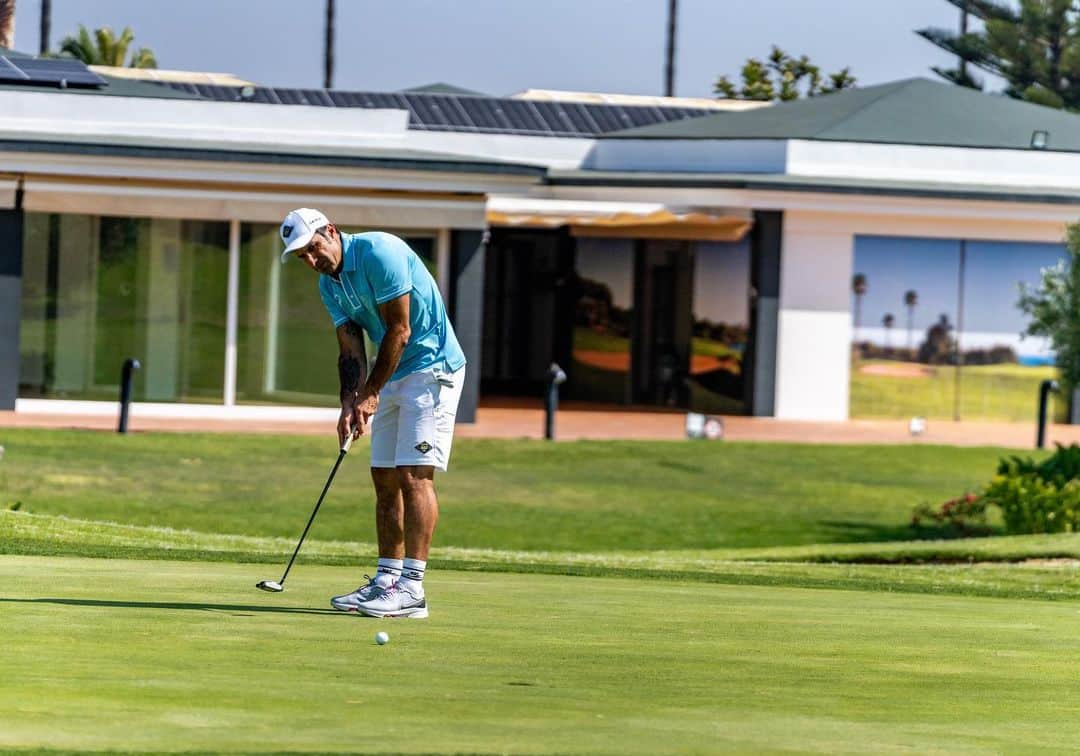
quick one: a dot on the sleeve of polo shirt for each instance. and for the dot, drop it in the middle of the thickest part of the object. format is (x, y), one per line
(332, 307)
(387, 269)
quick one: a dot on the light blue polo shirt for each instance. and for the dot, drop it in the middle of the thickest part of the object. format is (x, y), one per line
(376, 268)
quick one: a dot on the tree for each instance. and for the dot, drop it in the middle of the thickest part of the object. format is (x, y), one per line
(1054, 309)
(911, 298)
(940, 346)
(1035, 48)
(859, 287)
(888, 320)
(7, 23)
(794, 78)
(104, 48)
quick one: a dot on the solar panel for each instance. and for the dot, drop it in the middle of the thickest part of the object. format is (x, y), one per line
(61, 72)
(469, 113)
(10, 72)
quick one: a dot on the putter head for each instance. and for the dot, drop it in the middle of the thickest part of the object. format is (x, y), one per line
(270, 586)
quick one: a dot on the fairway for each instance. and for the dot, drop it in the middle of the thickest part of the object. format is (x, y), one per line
(128, 655)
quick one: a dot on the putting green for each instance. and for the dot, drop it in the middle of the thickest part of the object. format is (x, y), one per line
(159, 655)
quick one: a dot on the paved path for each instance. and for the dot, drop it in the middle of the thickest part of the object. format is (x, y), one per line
(583, 421)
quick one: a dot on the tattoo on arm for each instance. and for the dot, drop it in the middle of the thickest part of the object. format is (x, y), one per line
(352, 368)
(351, 374)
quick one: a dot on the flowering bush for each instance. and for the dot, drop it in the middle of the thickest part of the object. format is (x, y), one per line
(1033, 497)
(965, 515)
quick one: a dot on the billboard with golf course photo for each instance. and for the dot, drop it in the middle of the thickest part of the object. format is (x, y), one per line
(936, 331)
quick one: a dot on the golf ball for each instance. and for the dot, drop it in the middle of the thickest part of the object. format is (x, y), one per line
(382, 638)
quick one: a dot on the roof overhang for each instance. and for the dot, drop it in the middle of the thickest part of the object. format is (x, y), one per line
(638, 220)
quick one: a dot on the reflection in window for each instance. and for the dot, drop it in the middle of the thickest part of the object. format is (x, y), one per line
(285, 344)
(721, 326)
(97, 290)
(603, 320)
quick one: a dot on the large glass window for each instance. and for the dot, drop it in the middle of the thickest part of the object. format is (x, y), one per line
(97, 290)
(937, 330)
(285, 343)
(603, 320)
(721, 326)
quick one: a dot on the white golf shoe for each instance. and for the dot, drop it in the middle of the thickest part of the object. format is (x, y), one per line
(394, 602)
(350, 602)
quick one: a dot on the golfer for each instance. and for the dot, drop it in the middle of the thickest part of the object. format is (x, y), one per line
(374, 284)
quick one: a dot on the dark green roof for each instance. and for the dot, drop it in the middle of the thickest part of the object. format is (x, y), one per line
(913, 111)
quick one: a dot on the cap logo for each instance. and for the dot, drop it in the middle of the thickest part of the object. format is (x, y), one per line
(286, 231)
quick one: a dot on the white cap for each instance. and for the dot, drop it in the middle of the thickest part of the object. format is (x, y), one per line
(298, 228)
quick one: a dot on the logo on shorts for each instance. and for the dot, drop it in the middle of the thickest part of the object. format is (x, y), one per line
(423, 447)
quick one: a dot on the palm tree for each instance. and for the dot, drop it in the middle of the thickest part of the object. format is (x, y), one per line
(858, 288)
(888, 321)
(911, 298)
(104, 48)
(328, 57)
(7, 23)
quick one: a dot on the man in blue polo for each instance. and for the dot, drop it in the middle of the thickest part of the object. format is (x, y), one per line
(374, 283)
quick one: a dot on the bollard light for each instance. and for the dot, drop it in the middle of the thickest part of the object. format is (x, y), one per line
(1044, 394)
(555, 376)
(130, 366)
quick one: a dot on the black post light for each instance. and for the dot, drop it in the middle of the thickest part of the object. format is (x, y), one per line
(1044, 397)
(130, 366)
(555, 376)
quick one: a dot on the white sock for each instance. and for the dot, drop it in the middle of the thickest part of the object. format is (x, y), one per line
(388, 572)
(412, 576)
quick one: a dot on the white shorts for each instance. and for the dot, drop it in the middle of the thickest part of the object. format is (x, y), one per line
(414, 424)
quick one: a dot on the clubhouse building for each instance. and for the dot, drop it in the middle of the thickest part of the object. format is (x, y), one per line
(673, 253)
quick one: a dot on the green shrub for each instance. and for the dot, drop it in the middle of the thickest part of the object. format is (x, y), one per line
(1041, 497)
(1033, 497)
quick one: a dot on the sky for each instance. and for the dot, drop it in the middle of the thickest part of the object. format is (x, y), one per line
(501, 47)
(931, 267)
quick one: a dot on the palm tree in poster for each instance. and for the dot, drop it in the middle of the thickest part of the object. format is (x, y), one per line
(859, 289)
(888, 321)
(911, 298)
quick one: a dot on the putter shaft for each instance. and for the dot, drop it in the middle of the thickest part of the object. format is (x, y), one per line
(329, 480)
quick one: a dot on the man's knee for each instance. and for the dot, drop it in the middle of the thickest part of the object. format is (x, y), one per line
(416, 478)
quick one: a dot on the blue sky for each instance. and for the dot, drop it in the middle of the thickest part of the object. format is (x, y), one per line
(930, 267)
(505, 46)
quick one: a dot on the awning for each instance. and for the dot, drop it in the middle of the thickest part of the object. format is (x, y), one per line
(637, 220)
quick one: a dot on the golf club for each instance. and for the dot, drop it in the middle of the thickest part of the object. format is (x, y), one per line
(277, 587)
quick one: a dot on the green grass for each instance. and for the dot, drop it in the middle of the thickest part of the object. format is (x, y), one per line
(589, 340)
(713, 348)
(519, 495)
(610, 597)
(114, 654)
(973, 567)
(988, 392)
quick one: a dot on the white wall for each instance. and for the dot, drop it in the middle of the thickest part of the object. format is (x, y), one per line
(197, 123)
(814, 322)
(1022, 169)
(689, 155)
